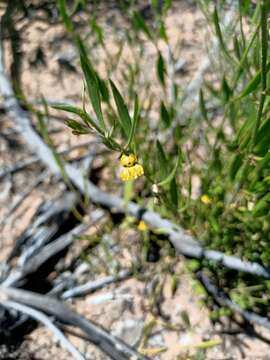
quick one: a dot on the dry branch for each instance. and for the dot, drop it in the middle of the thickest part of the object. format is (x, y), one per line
(92, 286)
(223, 300)
(48, 217)
(43, 255)
(39, 316)
(112, 346)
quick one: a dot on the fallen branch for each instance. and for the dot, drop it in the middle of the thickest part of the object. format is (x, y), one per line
(43, 255)
(223, 300)
(39, 316)
(92, 286)
(109, 344)
(183, 243)
(33, 159)
(48, 217)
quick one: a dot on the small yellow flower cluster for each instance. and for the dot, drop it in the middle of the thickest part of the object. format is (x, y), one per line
(142, 226)
(131, 170)
(128, 160)
(206, 199)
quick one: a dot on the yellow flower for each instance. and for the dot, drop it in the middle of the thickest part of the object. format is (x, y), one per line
(125, 174)
(128, 160)
(206, 199)
(132, 172)
(137, 170)
(142, 226)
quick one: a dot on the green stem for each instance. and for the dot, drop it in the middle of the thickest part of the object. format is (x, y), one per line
(264, 51)
(264, 44)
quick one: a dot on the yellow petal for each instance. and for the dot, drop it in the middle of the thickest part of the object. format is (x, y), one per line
(206, 199)
(125, 174)
(142, 226)
(138, 170)
(128, 160)
(132, 172)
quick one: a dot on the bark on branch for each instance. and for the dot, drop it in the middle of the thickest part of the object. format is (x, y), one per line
(109, 344)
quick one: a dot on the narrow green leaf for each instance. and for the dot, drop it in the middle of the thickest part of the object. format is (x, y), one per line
(162, 160)
(264, 131)
(124, 116)
(93, 88)
(162, 32)
(165, 115)
(219, 32)
(261, 208)
(134, 121)
(140, 24)
(103, 88)
(202, 105)
(161, 69)
(78, 129)
(226, 90)
(174, 193)
(171, 175)
(253, 84)
(81, 113)
(236, 163)
(97, 30)
(236, 47)
(64, 14)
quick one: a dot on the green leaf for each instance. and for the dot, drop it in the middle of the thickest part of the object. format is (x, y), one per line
(202, 105)
(134, 121)
(81, 113)
(236, 163)
(236, 47)
(165, 115)
(162, 32)
(219, 32)
(78, 129)
(262, 207)
(171, 175)
(174, 193)
(253, 84)
(161, 68)
(162, 160)
(226, 90)
(264, 131)
(64, 14)
(124, 116)
(103, 88)
(97, 30)
(262, 140)
(140, 24)
(91, 82)
(93, 89)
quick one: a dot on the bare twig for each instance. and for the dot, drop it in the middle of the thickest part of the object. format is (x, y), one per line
(33, 159)
(39, 316)
(223, 300)
(47, 252)
(92, 286)
(112, 346)
(48, 217)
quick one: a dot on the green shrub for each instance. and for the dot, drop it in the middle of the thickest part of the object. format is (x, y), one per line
(223, 141)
